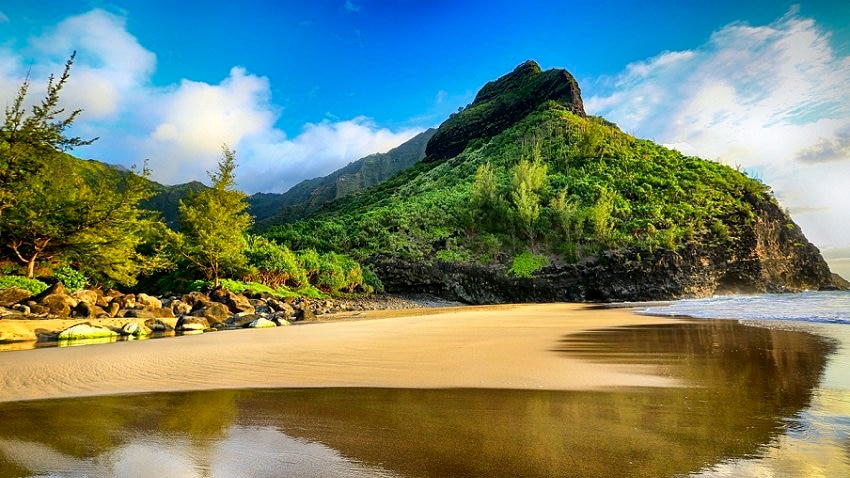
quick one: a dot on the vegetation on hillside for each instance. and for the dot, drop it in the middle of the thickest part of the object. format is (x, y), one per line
(553, 184)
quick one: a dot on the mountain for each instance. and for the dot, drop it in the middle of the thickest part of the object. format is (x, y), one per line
(523, 197)
(310, 195)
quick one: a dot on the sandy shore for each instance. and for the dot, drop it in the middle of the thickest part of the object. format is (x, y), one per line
(471, 347)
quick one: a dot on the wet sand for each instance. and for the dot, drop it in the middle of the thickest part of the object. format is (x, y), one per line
(492, 347)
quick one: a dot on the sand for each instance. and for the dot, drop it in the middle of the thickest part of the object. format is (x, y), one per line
(505, 347)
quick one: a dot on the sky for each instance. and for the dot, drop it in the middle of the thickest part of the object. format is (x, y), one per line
(300, 89)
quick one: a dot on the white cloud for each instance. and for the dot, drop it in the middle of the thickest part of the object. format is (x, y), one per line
(351, 7)
(771, 98)
(180, 127)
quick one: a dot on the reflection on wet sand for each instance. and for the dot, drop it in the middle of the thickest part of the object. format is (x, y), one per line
(744, 384)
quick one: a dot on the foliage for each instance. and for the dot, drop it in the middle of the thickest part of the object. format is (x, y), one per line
(553, 183)
(71, 279)
(526, 264)
(33, 285)
(59, 210)
(274, 265)
(213, 224)
(28, 141)
(371, 281)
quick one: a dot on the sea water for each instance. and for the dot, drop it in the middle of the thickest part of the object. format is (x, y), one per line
(818, 307)
(816, 442)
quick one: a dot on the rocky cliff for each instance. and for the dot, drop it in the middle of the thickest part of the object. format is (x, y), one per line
(774, 257)
(501, 103)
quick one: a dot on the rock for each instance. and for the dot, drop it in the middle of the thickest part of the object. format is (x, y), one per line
(156, 325)
(281, 306)
(137, 314)
(85, 295)
(37, 309)
(59, 304)
(134, 329)
(502, 103)
(85, 331)
(165, 312)
(191, 323)
(148, 302)
(126, 301)
(261, 323)
(86, 310)
(113, 309)
(197, 300)
(13, 295)
(56, 288)
(24, 309)
(178, 307)
(280, 319)
(214, 311)
(236, 302)
(304, 314)
(239, 321)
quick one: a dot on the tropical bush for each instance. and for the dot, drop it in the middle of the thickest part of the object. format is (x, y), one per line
(33, 285)
(70, 278)
(526, 264)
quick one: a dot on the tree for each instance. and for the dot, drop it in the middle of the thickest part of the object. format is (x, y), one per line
(58, 209)
(528, 179)
(213, 224)
(29, 142)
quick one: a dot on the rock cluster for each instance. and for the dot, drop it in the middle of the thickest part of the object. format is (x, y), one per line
(194, 312)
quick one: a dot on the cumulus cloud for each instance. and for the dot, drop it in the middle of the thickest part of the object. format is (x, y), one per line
(770, 98)
(180, 127)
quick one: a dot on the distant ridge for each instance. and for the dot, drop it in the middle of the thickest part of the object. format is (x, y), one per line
(310, 195)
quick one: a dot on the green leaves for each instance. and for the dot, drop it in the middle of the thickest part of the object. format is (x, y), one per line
(213, 224)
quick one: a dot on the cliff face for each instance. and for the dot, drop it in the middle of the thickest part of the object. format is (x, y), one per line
(522, 176)
(500, 104)
(773, 256)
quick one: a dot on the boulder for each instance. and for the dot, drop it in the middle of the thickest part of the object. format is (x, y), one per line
(304, 314)
(85, 331)
(156, 325)
(197, 300)
(214, 311)
(58, 304)
(86, 310)
(127, 301)
(24, 309)
(164, 312)
(178, 307)
(13, 295)
(56, 288)
(85, 295)
(238, 321)
(235, 302)
(134, 329)
(261, 323)
(112, 309)
(137, 314)
(148, 302)
(280, 319)
(191, 323)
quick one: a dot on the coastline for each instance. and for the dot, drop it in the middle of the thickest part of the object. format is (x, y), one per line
(496, 347)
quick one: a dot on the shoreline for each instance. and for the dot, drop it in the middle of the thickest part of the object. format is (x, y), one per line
(494, 346)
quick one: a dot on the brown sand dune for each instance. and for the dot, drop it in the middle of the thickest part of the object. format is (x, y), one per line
(508, 347)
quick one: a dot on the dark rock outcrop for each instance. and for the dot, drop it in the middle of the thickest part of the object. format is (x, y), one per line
(13, 295)
(500, 104)
(773, 256)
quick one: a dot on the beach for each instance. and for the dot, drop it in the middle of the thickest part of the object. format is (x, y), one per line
(491, 347)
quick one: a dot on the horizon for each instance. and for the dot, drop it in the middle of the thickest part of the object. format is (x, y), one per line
(761, 86)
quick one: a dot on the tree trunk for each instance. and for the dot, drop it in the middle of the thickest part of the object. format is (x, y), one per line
(31, 266)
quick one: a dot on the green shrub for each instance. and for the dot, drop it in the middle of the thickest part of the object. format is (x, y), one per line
(274, 265)
(33, 285)
(331, 276)
(70, 278)
(311, 262)
(526, 264)
(372, 281)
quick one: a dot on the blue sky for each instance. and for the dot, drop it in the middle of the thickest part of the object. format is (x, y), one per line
(302, 88)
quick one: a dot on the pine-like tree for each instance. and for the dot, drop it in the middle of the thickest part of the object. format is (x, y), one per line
(213, 224)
